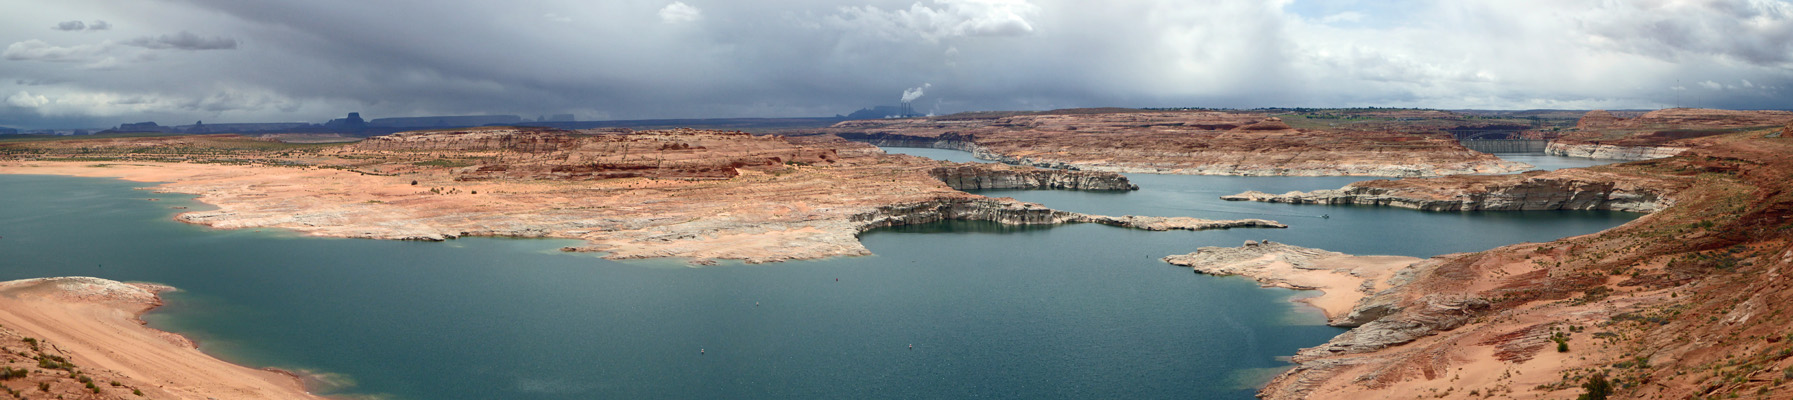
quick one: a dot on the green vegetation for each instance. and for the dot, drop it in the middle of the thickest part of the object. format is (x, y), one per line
(1562, 342)
(1598, 388)
(48, 361)
(8, 373)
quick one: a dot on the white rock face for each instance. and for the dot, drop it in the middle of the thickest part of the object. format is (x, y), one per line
(1611, 152)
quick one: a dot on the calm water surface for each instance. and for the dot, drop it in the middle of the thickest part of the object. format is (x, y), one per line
(1077, 311)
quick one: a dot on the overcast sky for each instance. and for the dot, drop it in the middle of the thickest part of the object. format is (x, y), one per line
(95, 63)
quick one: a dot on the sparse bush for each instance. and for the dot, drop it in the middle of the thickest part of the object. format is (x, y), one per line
(1598, 388)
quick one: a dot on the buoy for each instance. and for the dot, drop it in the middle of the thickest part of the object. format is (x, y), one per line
(700, 351)
(912, 347)
(756, 304)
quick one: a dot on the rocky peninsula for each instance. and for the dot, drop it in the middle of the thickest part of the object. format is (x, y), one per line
(1681, 303)
(698, 195)
(1180, 142)
(1344, 279)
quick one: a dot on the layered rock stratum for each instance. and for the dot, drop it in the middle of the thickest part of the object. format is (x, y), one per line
(698, 195)
(1179, 142)
(1599, 188)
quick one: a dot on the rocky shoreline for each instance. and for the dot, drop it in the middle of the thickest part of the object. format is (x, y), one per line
(1537, 190)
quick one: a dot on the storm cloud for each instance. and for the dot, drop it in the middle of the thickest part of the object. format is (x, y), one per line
(318, 59)
(184, 41)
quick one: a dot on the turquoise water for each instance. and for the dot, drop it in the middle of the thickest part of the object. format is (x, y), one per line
(1076, 311)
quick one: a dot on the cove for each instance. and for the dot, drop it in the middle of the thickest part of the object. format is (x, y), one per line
(1075, 311)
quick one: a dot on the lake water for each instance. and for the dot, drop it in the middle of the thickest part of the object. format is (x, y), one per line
(1074, 311)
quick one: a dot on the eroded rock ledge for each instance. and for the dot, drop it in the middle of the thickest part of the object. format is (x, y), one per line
(1535, 190)
(987, 176)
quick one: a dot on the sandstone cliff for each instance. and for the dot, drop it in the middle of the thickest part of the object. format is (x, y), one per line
(1570, 189)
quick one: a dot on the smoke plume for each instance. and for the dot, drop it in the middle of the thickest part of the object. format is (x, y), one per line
(915, 93)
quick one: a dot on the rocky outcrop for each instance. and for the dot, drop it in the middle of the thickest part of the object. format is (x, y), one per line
(1612, 152)
(1537, 190)
(1247, 259)
(1011, 212)
(987, 177)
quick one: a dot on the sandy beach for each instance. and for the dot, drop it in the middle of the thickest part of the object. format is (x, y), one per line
(93, 324)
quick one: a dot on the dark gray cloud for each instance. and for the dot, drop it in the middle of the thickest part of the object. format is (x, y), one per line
(97, 25)
(317, 59)
(184, 41)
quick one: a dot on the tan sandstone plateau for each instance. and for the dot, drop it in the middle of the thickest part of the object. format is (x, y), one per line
(698, 195)
(1688, 301)
(80, 338)
(1180, 142)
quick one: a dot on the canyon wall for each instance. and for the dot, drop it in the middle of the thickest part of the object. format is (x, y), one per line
(986, 177)
(1536, 190)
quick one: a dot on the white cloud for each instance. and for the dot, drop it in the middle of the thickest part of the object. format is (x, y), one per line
(1712, 85)
(1348, 16)
(27, 100)
(38, 50)
(678, 12)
